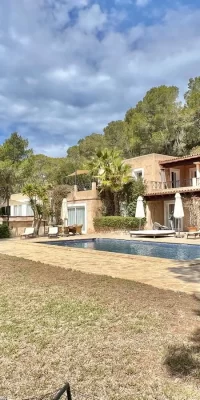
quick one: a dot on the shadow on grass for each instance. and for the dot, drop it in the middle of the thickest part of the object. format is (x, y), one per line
(188, 271)
(184, 360)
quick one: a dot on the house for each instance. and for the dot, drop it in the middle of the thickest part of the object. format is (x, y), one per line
(21, 213)
(83, 206)
(164, 177)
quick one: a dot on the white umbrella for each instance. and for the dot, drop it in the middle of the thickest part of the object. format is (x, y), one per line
(139, 213)
(64, 212)
(178, 209)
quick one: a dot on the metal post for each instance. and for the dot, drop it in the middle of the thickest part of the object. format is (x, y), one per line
(66, 388)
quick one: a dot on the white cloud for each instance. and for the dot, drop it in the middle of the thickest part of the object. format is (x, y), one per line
(92, 19)
(58, 85)
(142, 3)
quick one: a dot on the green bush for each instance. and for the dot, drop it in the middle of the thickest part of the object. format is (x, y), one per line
(117, 223)
(4, 231)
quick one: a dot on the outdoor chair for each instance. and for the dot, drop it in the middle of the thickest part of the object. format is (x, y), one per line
(28, 233)
(158, 226)
(79, 229)
(75, 229)
(194, 233)
(53, 231)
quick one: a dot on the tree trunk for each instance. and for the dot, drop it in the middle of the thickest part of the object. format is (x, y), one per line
(38, 223)
(116, 202)
(8, 208)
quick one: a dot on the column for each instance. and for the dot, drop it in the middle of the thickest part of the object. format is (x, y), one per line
(198, 172)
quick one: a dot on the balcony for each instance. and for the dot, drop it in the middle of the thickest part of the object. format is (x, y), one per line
(185, 185)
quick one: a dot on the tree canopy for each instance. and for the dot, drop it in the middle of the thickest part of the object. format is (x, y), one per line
(158, 123)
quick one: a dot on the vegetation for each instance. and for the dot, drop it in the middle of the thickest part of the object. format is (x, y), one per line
(193, 206)
(158, 123)
(4, 231)
(112, 175)
(57, 195)
(116, 223)
(108, 337)
(40, 203)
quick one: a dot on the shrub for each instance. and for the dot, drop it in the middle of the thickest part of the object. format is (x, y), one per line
(4, 231)
(116, 223)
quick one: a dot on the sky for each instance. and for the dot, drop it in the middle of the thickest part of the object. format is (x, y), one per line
(68, 67)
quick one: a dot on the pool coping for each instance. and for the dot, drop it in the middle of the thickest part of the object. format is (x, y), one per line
(45, 243)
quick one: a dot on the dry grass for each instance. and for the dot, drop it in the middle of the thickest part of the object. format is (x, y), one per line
(112, 339)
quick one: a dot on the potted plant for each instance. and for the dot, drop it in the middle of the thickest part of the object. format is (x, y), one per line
(193, 206)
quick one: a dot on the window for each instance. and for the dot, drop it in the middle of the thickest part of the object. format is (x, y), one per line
(19, 213)
(15, 211)
(175, 178)
(138, 173)
(29, 211)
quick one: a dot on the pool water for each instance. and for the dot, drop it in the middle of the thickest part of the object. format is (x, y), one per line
(142, 248)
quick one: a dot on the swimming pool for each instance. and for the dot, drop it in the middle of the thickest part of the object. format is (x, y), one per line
(142, 248)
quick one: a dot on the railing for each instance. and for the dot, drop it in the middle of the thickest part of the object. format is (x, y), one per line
(161, 186)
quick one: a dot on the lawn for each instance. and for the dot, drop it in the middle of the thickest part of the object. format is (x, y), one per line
(112, 339)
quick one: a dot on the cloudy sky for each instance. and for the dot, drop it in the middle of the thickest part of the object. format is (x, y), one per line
(68, 67)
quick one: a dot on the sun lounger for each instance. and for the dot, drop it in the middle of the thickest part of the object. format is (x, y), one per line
(53, 231)
(152, 233)
(28, 232)
(157, 226)
(194, 233)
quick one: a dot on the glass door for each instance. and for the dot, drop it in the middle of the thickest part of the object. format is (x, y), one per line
(71, 216)
(175, 178)
(77, 216)
(80, 217)
(170, 221)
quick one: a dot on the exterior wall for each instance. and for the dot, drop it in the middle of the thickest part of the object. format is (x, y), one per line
(184, 173)
(90, 199)
(150, 164)
(18, 224)
(154, 213)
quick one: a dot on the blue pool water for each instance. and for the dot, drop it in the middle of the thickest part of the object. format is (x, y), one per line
(143, 248)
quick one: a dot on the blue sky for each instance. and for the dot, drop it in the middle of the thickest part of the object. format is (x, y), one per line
(68, 67)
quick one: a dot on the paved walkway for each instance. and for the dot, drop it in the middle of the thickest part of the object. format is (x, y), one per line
(161, 273)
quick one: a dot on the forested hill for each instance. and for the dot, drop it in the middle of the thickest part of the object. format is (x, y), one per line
(159, 123)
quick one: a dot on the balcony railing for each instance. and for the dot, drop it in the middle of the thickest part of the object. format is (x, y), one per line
(154, 186)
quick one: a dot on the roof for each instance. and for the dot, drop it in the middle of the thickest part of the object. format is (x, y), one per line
(19, 197)
(178, 159)
(174, 191)
(147, 155)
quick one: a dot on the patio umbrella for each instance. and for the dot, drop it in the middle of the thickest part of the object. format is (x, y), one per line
(139, 213)
(178, 209)
(64, 212)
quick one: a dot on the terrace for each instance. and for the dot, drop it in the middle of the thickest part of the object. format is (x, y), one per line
(177, 175)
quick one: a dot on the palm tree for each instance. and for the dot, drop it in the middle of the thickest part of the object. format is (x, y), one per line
(112, 174)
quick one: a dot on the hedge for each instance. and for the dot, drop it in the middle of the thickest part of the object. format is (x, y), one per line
(117, 223)
(4, 231)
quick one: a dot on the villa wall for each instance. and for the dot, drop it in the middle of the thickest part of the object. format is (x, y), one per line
(18, 224)
(150, 164)
(90, 199)
(154, 213)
